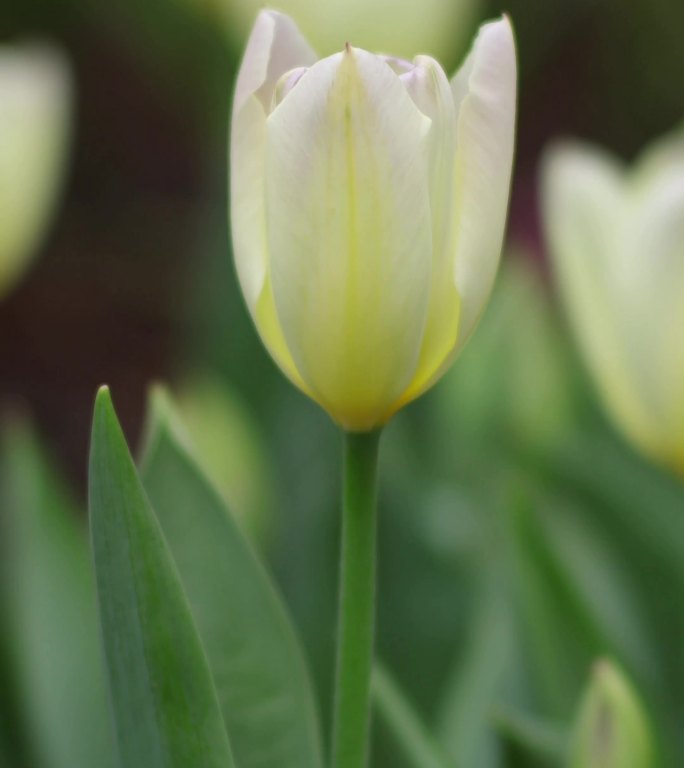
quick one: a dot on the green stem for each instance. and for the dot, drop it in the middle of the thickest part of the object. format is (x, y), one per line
(357, 601)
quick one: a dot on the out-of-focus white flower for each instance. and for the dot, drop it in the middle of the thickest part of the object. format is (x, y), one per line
(35, 109)
(438, 27)
(617, 240)
(369, 198)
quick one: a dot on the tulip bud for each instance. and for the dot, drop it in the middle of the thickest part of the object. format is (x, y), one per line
(35, 90)
(616, 236)
(231, 449)
(612, 729)
(369, 199)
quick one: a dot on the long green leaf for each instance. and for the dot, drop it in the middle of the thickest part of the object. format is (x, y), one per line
(577, 597)
(416, 743)
(51, 614)
(257, 664)
(539, 740)
(165, 708)
(637, 508)
(464, 718)
(555, 620)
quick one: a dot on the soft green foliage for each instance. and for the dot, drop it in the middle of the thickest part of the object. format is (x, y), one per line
(406, 727)
(531, 398)
(258, 668)
(637, 511)
(555, 616)
(53, 640)
(521, 539)
(464, 723)
(165, 706)
(540, 741)
(612, 729)
(485, 587)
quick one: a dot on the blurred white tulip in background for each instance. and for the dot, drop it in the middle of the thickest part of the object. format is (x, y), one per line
(35, 112)
(616, 236)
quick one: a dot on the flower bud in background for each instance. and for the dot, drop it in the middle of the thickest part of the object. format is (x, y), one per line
(437, 27)
(612, 728)
(35, 109)
(231, 449)
(617, 240)
(369, 198)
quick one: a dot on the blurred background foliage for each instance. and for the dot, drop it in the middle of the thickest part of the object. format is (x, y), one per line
(521, 538)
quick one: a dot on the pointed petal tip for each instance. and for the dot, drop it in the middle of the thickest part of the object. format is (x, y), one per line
(502, 26)
(555, 152)
(267, 13)
(349, 53)
(274, 17)
(569, 156)
(265, 18)
(349, 58)
(500, 29)
(494, 42)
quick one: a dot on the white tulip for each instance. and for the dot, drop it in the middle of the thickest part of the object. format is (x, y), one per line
(369, 198)
(617, 238)
(35, 102)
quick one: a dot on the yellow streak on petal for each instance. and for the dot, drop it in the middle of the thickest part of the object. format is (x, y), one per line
(268, 325)
(349, 231)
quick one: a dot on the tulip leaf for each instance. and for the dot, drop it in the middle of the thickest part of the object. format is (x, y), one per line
(464, 719)
(611, 488)
(51, 615)
(555, 619)
(258, 667)
(539, 740)
(166, 712)
(417, 745)
(9, 726)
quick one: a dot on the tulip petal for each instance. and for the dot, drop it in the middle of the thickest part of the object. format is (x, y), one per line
(484, 95)
(35, 111)
(484, 91)
(274, 47)
(663, 159)
(651, 279)
(584, 194)
(349, 233)
(429, 88)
